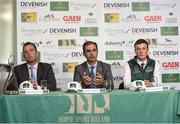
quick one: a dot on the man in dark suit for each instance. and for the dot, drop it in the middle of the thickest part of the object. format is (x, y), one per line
(33, 70)
(92, 73)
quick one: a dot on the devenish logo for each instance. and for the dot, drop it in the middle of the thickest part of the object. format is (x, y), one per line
(34, 4)
(116, 5)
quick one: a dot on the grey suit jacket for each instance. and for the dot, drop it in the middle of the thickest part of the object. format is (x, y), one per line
(44, 72)
(102, 68)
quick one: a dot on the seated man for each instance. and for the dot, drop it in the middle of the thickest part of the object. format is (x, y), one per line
(141, 67)
(33, 70)
(92, 73)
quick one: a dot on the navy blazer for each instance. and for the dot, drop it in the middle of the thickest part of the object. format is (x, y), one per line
(44, 72)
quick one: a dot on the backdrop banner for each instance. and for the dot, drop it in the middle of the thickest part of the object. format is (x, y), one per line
(59, 28)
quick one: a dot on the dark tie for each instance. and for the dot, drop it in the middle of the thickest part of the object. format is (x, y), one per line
(91, 74)
(32, 73)
(142, 65)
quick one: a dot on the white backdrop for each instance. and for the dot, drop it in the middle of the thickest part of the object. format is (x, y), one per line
(59, 28)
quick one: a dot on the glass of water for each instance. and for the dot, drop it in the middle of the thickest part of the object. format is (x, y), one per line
(44, 84)
(108, 85)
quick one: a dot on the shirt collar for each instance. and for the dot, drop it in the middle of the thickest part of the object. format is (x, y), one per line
(34, 66)
(140, 62)
(91, 65)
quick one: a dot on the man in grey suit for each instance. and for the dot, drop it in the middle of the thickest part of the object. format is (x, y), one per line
(33, 70)
(92, 73)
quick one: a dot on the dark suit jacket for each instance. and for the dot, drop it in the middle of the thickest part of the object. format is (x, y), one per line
(102, 68)
(44, 72)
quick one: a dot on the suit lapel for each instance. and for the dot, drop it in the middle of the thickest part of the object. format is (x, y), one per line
(25, 72)
(39, 72)
(99, 68)
(85, 68)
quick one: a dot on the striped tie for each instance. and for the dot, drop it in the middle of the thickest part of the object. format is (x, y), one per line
(91, 74)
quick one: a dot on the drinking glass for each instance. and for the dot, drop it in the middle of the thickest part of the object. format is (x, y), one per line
(108, 84)
(43, 84)
(154, 81)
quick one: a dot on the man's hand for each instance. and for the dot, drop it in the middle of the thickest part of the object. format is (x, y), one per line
(34, 83)
(99, 79)
(148, 83)
(86, 79)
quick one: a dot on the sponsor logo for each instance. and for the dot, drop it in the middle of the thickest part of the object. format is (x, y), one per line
(72, 19)
(144, 30)
(49, 44)
(49, 18)
(59, 6)
(171, 30)
(82, 5)
(140, 6)
(115, 43)
(153, 19)
(170, 19)
(115, 5)
(88, 31)
(33, 4)
(166, 53)
(90, 19)
(33, 32)
(171, 78)
(116, 31)
(36, 43)
(159, 5)
(111, 17)
(62, 30)
(170, 65)
(168, 43)
(131, 18)
(95, 108)
(69, 67)
(117, 78)
(74, 54)
(152, 42)
(29, 17)
(67, 42)
(114, 55)
(51, 56)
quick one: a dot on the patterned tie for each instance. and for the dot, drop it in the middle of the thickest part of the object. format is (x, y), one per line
(142, 65)
(91, 74)
(32, 73)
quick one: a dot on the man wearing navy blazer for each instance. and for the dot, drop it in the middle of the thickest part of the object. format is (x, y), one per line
(101, 71)
(40, 71)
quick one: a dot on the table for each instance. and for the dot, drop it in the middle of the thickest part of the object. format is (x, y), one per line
(119, 106)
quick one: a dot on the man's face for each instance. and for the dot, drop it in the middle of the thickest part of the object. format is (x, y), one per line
(91, 53)
(30, 53)
(141, 51)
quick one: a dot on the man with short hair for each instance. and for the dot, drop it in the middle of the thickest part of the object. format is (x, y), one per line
(92, 73)
(141, 67)
(33, 70)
